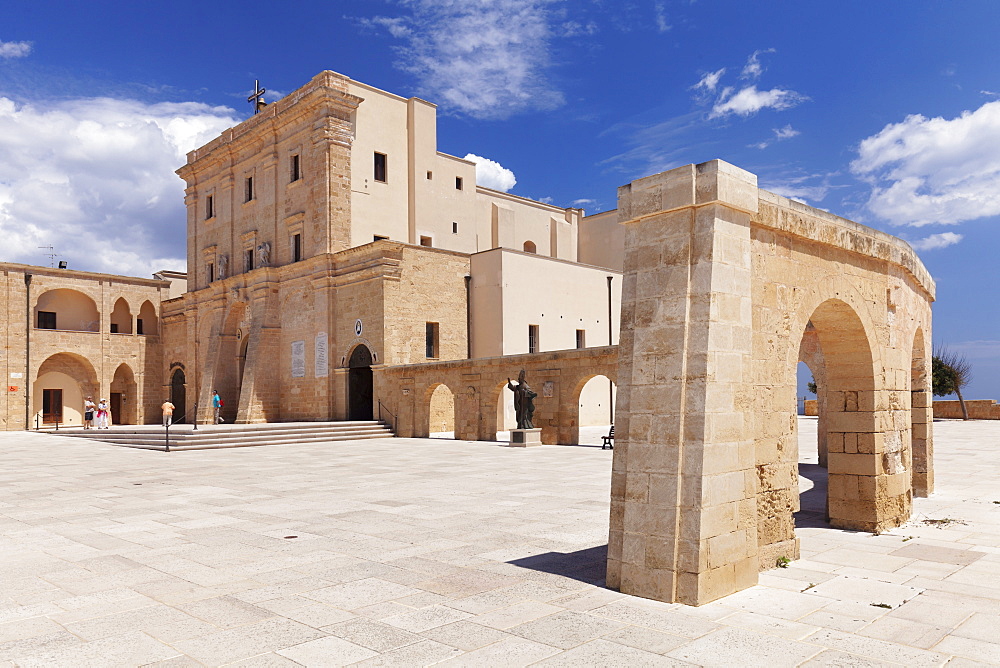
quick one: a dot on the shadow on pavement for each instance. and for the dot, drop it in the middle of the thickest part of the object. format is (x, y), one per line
(588, 565)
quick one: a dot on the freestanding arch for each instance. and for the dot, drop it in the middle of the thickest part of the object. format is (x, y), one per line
(721, 281)
(359, 384)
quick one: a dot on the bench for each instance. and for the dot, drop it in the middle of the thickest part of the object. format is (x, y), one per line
(608, 439)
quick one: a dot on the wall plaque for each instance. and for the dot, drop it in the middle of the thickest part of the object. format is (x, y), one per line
(322, 360)
(298, 359)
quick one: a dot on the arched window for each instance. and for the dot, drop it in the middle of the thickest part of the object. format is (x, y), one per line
(529, 247)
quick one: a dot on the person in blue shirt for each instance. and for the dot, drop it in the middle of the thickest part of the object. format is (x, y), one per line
(217, 405)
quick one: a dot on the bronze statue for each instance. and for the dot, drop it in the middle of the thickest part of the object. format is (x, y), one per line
(524, 401)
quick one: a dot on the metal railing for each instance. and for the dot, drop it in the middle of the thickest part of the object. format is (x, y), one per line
(380, 409)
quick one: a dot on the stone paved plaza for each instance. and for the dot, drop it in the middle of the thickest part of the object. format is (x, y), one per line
(416, 552)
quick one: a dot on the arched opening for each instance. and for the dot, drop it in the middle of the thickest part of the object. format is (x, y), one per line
(121, 317)
(63, 382)
(228, 370)
(147, 322)
(66, 309)
(359, 384)
(850, 421)
(441, 411)
(921, 417)
(124, 400)
(596, 397)
(529, 247)
(178, 395)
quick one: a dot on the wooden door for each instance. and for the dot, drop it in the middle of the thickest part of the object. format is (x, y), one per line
(52, 406)
(116, 408)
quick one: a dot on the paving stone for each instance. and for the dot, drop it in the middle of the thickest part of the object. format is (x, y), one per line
(328, 651)
(611, 655)
(372, 634)
(731, 647)
(464, 635)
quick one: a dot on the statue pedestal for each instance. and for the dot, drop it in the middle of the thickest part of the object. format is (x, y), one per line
(525, 438)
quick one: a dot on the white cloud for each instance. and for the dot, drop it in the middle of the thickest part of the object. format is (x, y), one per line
(95, 179)
(780, 134)
(710, 81)
(942, 240)
(584, 202)
(934, 170)
(660, 14)
(14, 49)
(491, 174)
(484, 59)
(748, 101)
(753, 69)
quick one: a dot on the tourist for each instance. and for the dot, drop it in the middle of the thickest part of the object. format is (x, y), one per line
(217, 405)
(168, 413)
(88, 413)
(102, 414)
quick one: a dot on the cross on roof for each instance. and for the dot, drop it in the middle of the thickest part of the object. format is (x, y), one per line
(257, 99)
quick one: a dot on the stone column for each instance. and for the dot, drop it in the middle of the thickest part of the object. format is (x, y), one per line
(683, 513)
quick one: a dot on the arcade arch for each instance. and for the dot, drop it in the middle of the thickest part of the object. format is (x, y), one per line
(66, 309)
(121, 317)
(147, 323)
(439, 406)
(62, 383)
(124, 399)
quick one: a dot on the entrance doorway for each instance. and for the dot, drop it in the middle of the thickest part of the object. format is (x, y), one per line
(52, 406)
(359, 384)
(116, 408)
(178, 395)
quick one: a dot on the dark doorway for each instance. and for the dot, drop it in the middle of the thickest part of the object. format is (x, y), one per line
(244, 345)
(116, 408)
(359, 384)
(52, 406)
(178, 395)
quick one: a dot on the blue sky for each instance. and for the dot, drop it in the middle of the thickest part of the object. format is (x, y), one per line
(887, 113)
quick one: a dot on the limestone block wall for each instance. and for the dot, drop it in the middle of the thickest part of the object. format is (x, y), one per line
(477, 384)
(722, 283)
(979, 409)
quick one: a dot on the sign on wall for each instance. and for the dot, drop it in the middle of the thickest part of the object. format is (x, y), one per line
(322, 361)
(298, 359)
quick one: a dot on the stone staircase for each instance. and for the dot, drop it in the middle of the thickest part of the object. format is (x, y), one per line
(207, 437)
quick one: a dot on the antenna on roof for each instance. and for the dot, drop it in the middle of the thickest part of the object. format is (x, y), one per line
(257, 99)
(52, 255)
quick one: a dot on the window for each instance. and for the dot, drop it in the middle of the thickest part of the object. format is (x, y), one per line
(248, 260)
(529, 247)
(296, 247)
(532, 338)
(114, 328)
(295, 169)
(431, 340)
(248, 193)
(379, 237)
(211, 272)
(454, 228)
(581, 338)
(380, 167)
(425, 241)
(46, 320)
(138, 326)
(458, 183)
(430, 175)
(210, 207)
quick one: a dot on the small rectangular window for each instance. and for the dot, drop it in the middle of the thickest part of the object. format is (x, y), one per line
(430, 175)
(295, 169)
(458, 183)
(211, 272)
(581, 338)
(114, 328)
(210, 207)
(248, 193)
(431, 340)
(425, 241)
(532, 338)
(454, 228)
(379, 237)
(248, 260)
(138, 326)
(296, 247)
(46, 320)
(380, 167)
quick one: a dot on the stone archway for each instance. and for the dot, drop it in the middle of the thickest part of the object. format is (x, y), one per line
(359, 384)
(63, 381)
(124, 396)
(228, 379)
